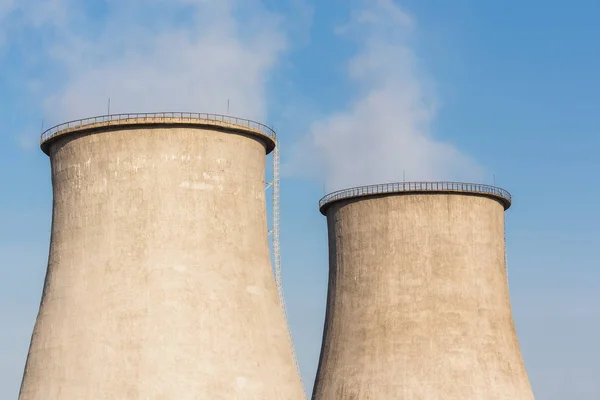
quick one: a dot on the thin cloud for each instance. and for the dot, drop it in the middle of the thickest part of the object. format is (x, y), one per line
(6, 8)
(384, 134)
(26, 15)
(28, 141)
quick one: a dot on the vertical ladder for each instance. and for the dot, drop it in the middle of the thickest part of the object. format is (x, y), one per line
(505, 258)
(277, 254)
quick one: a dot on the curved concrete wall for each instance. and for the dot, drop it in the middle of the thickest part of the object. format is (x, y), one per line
(159, 283)
(418, 305)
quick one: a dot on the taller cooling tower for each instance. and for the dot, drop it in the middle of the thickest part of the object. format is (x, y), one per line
(418, 303)
(159, 281)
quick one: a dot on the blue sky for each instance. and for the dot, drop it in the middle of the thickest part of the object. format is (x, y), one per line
(359, 91)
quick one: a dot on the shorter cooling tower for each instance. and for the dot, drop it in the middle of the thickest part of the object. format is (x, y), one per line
(159, 282)
(418, 303)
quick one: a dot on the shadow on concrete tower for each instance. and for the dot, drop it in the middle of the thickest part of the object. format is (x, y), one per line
(418, 304)
(159, 283)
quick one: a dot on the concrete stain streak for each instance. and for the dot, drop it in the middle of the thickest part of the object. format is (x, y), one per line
(196, 185)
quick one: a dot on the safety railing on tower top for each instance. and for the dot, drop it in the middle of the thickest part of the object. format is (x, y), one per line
(401, 187)
(153, 117)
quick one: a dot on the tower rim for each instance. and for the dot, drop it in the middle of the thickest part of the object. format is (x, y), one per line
(115, 121)
(422, 187)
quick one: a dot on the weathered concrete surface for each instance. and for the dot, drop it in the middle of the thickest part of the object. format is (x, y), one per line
(418, 303)
(159, 283)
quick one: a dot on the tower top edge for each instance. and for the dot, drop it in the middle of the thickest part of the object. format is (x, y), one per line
(218, 121)
(404, 188)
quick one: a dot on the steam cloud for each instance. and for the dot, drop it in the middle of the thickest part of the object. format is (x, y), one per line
(156, 62)
(384, 133)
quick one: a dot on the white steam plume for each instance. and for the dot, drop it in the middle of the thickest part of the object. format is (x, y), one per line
(385, 132)
(144, 58)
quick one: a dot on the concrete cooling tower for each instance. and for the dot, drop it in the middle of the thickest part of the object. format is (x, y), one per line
(418, 304)
(159, 281)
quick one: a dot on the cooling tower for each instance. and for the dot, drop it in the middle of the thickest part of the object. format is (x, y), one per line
(159, 281)
(418, 303)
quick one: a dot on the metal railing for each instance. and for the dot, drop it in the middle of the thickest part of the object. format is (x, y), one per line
(408, 187)
(153, 117)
